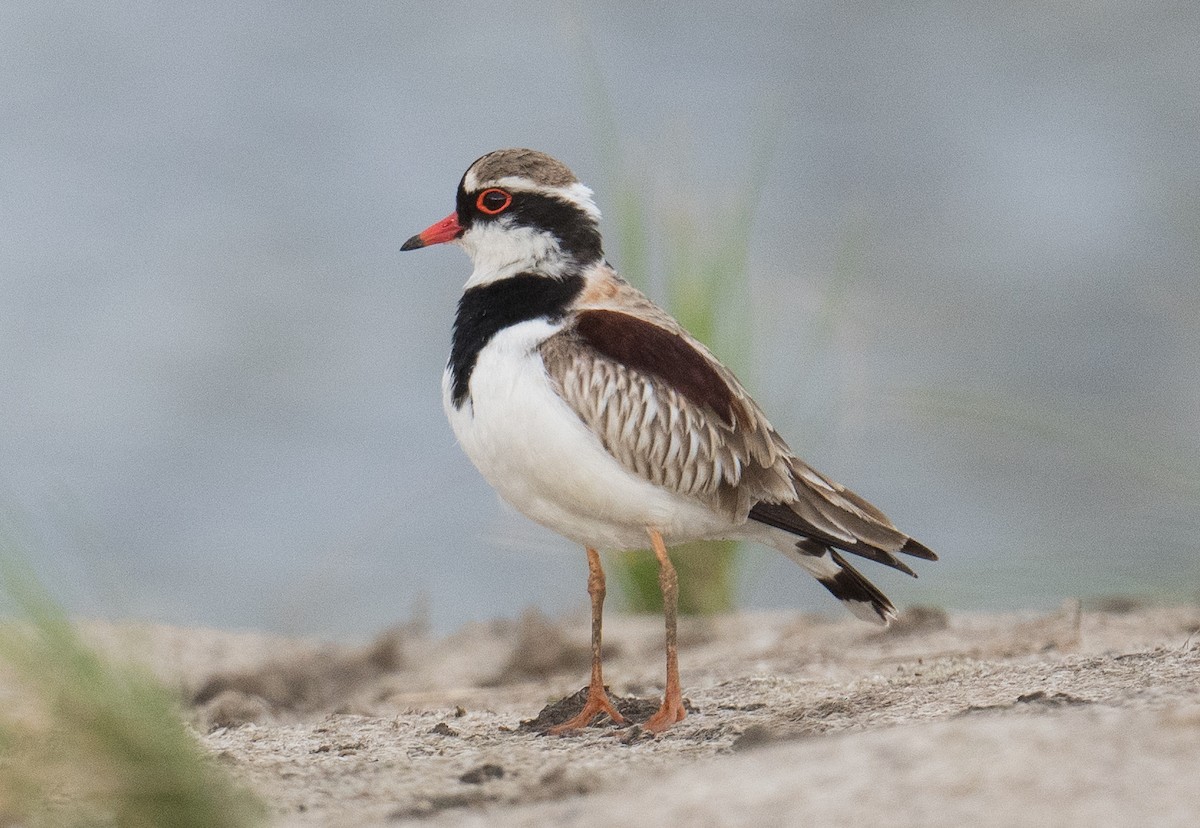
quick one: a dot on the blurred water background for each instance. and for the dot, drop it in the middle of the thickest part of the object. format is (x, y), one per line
(973, 279)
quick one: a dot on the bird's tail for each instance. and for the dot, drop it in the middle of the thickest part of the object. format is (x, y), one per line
(846, 583)
(825, 519)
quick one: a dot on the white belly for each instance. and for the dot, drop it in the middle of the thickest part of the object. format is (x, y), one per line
(536, 452)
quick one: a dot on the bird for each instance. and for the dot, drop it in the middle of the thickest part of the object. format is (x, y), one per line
(592, 411)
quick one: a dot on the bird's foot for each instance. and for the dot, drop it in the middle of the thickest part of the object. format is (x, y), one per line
(597, 703)
(670, 712)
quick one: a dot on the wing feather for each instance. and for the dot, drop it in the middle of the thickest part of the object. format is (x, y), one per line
(701, 436)
(666, 409)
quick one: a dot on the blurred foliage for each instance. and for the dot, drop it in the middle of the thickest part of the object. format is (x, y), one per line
(87, 742)
(701, 248)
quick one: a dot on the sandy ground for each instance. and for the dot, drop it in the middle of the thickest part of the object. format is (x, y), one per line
(1065, 719)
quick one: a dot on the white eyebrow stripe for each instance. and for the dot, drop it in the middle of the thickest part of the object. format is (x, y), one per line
(580, 195)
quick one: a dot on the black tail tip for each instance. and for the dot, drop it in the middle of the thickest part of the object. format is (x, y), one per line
(860, 596)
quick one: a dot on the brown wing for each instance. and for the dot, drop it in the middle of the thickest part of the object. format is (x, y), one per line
(667, 410)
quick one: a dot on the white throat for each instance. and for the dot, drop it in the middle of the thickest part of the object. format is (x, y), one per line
(499, 250)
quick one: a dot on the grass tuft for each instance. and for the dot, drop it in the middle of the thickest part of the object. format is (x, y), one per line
(84, 741)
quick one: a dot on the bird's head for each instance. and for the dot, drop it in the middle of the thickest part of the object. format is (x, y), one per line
(519, 211)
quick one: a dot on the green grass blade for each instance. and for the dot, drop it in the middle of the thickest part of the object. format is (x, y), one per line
(84, 741)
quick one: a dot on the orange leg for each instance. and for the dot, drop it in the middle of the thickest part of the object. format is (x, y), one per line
(671, 710)
(597, 698)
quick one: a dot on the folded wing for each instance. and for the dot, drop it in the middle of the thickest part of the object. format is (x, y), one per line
(667, 410)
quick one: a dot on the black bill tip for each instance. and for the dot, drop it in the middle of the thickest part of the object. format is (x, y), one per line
(415, 243)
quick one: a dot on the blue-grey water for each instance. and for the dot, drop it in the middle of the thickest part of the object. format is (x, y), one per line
(974, 275)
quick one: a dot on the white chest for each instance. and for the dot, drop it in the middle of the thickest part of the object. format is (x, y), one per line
(541, 458)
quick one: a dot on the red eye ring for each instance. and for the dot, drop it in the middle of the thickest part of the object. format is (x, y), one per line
(493, 201)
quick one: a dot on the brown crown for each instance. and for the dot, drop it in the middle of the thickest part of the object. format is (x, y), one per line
(536, 166)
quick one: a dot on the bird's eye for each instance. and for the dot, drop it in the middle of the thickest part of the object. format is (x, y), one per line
(493, 201)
